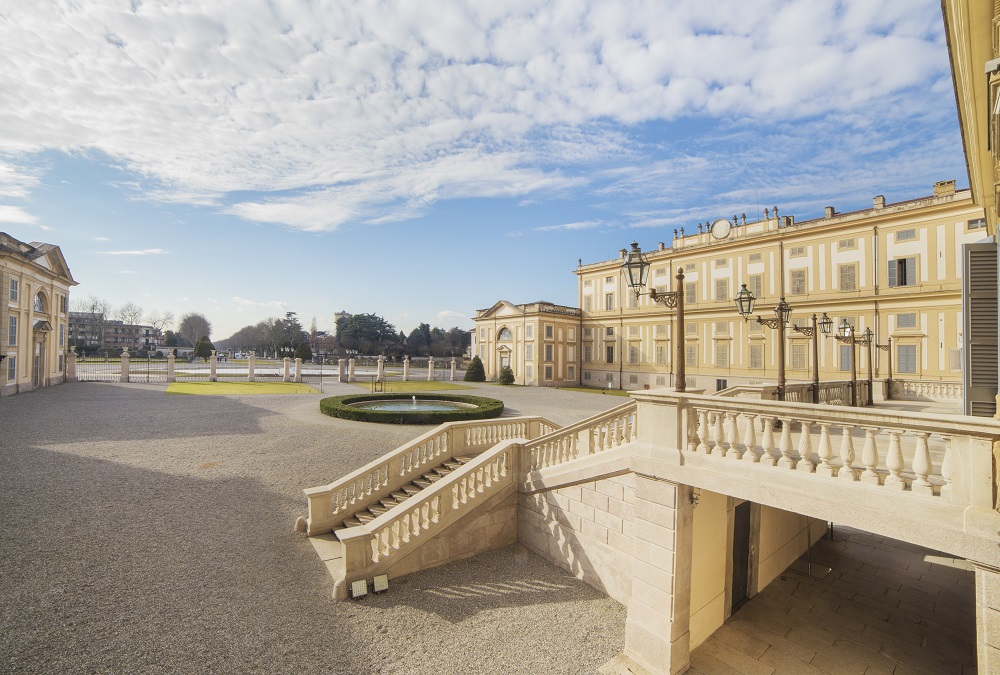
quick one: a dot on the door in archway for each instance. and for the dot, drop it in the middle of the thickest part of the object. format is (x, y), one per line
(36, 366)
(741, 555)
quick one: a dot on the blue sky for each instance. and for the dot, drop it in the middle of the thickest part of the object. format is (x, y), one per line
(418, 160)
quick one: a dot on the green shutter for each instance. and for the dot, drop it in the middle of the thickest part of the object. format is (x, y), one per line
(979, 318)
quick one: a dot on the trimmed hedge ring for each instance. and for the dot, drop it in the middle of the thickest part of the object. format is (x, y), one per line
(340, 406)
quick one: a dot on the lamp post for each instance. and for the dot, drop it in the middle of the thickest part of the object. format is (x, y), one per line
(887, 348)
(744, 305)
(849, 336)
(636, 269)
(826, 325)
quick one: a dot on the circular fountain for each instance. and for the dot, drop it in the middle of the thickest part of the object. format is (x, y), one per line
(411, 409)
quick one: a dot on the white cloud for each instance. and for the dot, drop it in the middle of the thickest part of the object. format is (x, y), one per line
(370, 112)
(581, 225)
(451, 315)
(254, 304)
(145, 251)
(15, 214)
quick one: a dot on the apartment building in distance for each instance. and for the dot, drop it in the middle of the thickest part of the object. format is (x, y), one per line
(34, 300)
(894, 268)
(92, 332)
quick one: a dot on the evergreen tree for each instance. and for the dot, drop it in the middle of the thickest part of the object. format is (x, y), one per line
(203, 348)
(506, 375)
(303, 352)
(476, 371)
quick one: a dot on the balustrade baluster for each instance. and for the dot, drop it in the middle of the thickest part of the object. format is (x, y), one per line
(720, 436)
(825, 450)
(805, 447)
(374, 543)
(869, 457)
(785, 445)
(750, 439)
(894, 461)
(703, 432)
(922, 465)
(847, 455)
(947, 467)
(767, 443)
(732, 451)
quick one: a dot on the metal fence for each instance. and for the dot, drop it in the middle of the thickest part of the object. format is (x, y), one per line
(110, 370)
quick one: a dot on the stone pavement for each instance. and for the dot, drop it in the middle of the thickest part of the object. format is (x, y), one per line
(885, 606)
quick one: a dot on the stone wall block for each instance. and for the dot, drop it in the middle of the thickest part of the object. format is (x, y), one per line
(595, 499)
(605, 519)
(664, 516)
(611, 489)
(658, 492)
(620, 542)
(582, 510)
(595, 531)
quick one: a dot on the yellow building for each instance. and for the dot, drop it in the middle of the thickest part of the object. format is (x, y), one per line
(538, 341)
(895, 269)
(34, 310)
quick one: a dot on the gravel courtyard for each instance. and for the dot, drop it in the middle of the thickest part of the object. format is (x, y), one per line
(150, 533)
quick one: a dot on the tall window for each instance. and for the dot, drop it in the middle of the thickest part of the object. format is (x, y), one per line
(906, 358)
(588, 303)
(756, 356)
(722, 356)
(548, 352)
(529, 352)
(14, 283)
(691, 355)
(529, 331)
(548, 331)
(609, 353)
(11, 368)
(798, 357)
(571, 334)
(609, 301)
(588, 353)
(633, 355)
(690, 292)
(845, 357)
(548, 372)
(62, 334)
(756, 285)
(12, 332)
(848, 277)
(903, 272)
(722, 290)
(661, 355)
(798, 278)
(39, 304)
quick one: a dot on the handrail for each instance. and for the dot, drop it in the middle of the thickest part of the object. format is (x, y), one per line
(595, 434)
(331, 504)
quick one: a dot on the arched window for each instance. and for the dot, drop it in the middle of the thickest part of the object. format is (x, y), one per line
(505, 334)
(40, 302)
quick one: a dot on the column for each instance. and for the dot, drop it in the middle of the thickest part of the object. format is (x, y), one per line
(350, 370)
(988, 618)
(286, 375)
(381, 369)
(251, 362)
(342, 370)
(406, 369)
(124, 371)
(170, 366)
(454, 364)
(298, 370)
(657, 633)
(71, 365)
(213, 361)
(430, 369)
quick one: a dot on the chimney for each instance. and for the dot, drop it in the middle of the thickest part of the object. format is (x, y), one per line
(661, 247)
(943, 188)
(878, 202)
(830, 212)
(623, 252)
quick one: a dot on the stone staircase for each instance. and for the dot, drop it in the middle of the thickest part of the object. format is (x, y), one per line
(397, 497)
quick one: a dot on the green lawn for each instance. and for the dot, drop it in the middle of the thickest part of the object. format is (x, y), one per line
(413, 386)
(229, 388)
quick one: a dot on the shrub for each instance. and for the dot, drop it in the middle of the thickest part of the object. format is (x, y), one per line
(506, 375)
(476, 372)
(303, 352)
(340, 406)
(204, 348)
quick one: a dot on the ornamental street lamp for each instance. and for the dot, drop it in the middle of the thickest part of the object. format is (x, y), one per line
(636, 269)
(848, 336)
(826, 326)
(745, 300)
(887, 348)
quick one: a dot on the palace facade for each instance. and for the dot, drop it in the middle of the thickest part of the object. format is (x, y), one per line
(34, 282)
(895, 269)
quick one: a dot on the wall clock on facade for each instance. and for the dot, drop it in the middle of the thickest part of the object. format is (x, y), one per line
(721, 228)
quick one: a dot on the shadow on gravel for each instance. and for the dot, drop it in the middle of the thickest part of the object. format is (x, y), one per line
(110, 568)
(38, 417)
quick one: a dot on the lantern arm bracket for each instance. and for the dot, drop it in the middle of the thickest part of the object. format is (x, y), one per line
(770, 323)
(666, 298)
(808, 331)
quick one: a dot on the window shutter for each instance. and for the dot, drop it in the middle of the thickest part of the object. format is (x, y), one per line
(911, 272)
(892, 273)
(979, 316)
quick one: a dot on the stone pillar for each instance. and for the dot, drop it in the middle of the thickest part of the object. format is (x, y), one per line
(430, 369)
(213, 361)
(71, 365)
(298, 370)
(170, 367)
(124, 371)
(454, 365)
(381, 369)
(342, 370)
(657, 632)
(350, 370)
(988, 618)
(251, 362)
(406, 369)
(286, 375)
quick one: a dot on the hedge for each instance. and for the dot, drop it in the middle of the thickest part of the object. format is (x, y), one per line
(339, 406)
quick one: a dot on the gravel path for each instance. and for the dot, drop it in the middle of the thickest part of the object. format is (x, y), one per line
(150, 533)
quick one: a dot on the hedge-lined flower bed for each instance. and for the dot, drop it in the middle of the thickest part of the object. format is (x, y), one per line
(340, 406)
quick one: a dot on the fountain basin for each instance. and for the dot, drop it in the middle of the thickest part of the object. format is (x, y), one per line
(411, 409)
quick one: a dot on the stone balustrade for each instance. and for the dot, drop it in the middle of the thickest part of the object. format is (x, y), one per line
(923, 455)
(947, 391)
(330, 505)
(596, 434)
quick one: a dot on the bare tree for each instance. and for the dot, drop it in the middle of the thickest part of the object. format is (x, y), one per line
(99, 310)
(130, 314)
(194, 326)
(160, 321)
